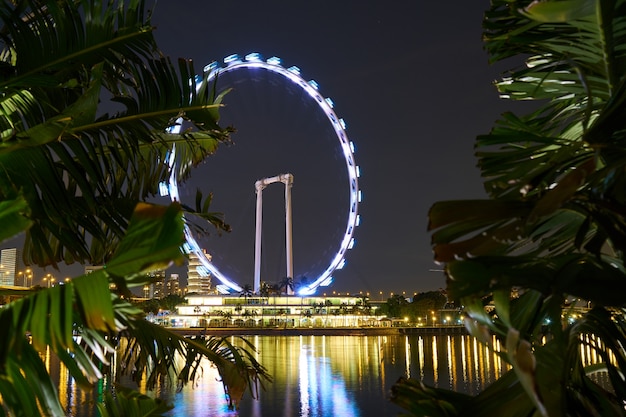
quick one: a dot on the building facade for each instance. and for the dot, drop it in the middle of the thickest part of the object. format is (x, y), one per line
(172, 286)
(9, 266)
(161, 285)
(273, 311)
(198, 277)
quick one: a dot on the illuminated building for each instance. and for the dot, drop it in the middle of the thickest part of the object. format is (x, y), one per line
(198, 277)
(275, 311)
(161, 286)
(9, 263)
(172, 286)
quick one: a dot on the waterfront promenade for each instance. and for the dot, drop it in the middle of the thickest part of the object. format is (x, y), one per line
(317, 331)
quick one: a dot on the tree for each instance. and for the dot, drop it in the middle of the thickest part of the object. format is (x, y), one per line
(396, 305)
(301, 283)
(150, 306)
(554, 226)
(287, 284)
(87, 103)
(246, 291)
(428, 301)
(265, 289)
(170, 301)
(364, 305)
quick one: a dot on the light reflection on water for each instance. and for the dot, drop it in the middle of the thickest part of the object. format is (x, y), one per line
(329, 375)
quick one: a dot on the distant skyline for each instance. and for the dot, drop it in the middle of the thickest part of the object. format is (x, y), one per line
(412, 82)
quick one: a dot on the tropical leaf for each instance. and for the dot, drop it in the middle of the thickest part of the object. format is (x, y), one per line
(85, 307)
(554, 226)
(129, 403)
(14, 217)
(87, 100)
(87, 103)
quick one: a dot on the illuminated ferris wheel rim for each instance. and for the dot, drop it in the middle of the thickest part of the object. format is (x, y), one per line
(273, 64)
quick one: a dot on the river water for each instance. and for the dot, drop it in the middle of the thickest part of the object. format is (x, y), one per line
(331, 376)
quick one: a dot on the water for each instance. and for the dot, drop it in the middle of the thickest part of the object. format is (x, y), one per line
(333, 375)
(353, 375)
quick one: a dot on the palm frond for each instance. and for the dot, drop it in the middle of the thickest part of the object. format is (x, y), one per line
(83, 164)
(83, 319)
(554, 226)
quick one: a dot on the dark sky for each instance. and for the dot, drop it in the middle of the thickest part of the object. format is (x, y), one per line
(412, 82)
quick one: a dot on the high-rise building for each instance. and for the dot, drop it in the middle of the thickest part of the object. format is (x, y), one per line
(158, 284)
(198, 276)
(161, 286)
(9, 265)
(173, 284)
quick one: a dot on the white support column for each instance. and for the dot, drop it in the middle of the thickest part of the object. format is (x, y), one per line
(287, 179)
(260, 185)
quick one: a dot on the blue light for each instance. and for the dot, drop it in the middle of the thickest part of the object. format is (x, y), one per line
(231, 59)
(254, 57)
(211, 67)
(222, 289)
(273, 64)
(294, 70)
(163, 189)
(274, 60)
(203, 271)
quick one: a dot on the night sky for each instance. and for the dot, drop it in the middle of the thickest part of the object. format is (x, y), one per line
(412, 82)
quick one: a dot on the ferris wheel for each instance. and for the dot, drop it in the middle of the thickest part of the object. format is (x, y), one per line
(292, 75)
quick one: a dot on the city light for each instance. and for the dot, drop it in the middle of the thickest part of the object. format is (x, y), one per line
(26, 278)
(49, 280)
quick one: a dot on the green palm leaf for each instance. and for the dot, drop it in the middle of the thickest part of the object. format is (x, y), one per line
(85, 307)
(554, 227)
(101, 157)
(86, 105)
(131, 403)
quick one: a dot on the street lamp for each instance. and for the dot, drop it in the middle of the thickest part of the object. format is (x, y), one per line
(49, 279)
(26, 277)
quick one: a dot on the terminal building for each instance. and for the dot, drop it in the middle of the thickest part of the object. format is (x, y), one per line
(273, 311)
